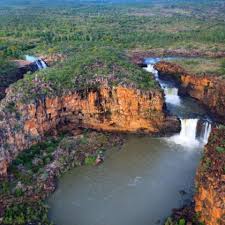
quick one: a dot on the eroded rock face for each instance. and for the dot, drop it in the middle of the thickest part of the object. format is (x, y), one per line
(209, 90)
(210, 181)
(116, 109)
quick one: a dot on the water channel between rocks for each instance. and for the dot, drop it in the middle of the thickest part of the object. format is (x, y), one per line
(142, 182)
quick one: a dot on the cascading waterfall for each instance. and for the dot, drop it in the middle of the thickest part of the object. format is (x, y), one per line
(188, 133)
(39, 62)
(187, 136)
(150, 68)
(205, 132)
(171, 95)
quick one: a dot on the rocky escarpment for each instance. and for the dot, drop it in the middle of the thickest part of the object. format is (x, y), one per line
(209, 90)
(119, 109)
(21, 67)
(210, 181)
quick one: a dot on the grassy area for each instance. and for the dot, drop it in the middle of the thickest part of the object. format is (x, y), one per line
(6, 67)
(87, 69)
(175, 24)
(201, 66)
(96, 36)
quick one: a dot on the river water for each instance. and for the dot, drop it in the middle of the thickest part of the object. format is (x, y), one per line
(142, 182)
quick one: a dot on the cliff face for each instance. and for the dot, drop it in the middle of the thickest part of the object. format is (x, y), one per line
(110, 109)
(210, 181)
(209, 90)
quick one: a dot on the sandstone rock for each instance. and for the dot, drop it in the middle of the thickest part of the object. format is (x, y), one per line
(118, 109)
(209, 90)
(210, 197)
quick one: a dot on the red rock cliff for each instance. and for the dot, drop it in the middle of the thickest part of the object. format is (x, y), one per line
(209, 90)
(110, 109)
(210, 181)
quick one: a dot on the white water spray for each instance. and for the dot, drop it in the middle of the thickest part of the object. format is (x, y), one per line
(205, 132)
(188, 133)
(187, 136)
(171, 96)
(39, 62)
(150, 68)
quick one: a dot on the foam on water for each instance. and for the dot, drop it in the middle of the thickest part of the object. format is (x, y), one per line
(171, 96)
(187, 136)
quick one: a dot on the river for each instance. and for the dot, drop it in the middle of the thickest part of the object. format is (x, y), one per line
(142, 182)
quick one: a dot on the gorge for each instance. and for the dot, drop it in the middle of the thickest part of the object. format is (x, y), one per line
(116, 109)
(124, 183)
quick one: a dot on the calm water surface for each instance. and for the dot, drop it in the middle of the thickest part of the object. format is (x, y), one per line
(137, 185)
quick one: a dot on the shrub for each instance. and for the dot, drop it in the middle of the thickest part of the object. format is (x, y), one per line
(220, 149)
(90, 160)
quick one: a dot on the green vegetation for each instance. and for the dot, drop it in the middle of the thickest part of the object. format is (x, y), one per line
(33, 160)
(201, 66)
(5, 67)
(27, 213)
(86, 69)
(90, 160)
(94, 36)
(32, 175)
(169, 221)
(220, 149)
(181, 221)
(126, 26)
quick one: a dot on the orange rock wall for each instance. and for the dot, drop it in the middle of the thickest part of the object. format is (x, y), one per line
(210, 182)
(209, 90)
(117, 109)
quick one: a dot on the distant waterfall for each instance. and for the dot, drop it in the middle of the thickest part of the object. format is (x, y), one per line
(187, 136)
(150, 68)
(39, 62)
(171, 95)
(205, 132)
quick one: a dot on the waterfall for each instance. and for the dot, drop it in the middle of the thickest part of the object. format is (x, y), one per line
(171, 95)
(150, 68)
(43, 64)
(39, 62)
(205, 132)
(187, 136)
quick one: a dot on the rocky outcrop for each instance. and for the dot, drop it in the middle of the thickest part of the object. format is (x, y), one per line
(116, 109)
(21, 68)
(209, 90)
(210, 181)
